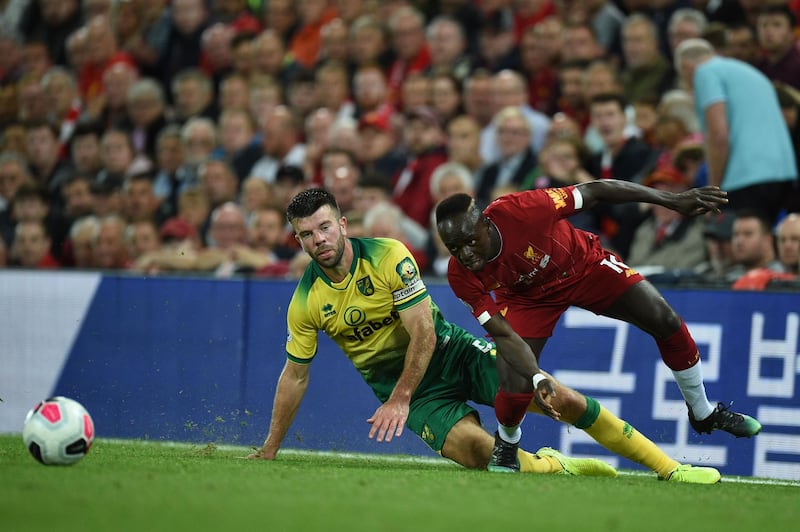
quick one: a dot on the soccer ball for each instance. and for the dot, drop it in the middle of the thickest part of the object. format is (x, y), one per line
(58, 431)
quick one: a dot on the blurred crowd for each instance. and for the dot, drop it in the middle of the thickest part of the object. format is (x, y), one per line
(162, 136)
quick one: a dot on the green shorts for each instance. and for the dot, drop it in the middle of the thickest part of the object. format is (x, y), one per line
(462, 369)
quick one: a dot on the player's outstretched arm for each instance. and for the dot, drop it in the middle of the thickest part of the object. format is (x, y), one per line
(390, 418)
(691, 202)
(518, 354)
(291, 389)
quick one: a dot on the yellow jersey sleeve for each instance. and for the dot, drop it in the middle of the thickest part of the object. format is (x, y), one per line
(301, 339)
(402, 277)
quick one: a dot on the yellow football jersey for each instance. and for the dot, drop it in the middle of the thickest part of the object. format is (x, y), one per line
(360, 313)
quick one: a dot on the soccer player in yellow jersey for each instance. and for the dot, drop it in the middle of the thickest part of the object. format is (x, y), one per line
(367, 295)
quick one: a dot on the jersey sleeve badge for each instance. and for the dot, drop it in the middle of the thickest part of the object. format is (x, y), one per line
(559, 197)
(407, 271)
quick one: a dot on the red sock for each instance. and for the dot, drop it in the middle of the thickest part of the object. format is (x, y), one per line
(510, 408)
(679, 351)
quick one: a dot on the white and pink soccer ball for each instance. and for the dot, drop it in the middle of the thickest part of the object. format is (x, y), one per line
(58, 431)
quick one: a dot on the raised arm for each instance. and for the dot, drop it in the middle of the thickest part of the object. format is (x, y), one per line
(390, 418)
(691, 202)
(291, 389)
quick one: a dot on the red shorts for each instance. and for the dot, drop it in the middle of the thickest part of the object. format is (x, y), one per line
(535, 315)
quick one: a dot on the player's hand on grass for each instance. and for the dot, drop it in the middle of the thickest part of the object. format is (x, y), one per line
(543, 396)
(262, 454)
(388, 420)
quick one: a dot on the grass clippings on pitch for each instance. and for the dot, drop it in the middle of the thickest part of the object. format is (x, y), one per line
(136, 485)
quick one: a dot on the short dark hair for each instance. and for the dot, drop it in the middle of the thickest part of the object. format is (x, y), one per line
(779, 9)
(453, 206)
(308, 202)
(761, 216)
(609, 97)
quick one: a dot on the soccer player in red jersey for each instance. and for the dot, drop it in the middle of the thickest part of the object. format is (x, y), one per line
(522, 249)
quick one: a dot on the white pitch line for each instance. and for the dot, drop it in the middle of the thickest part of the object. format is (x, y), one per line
(407, 459)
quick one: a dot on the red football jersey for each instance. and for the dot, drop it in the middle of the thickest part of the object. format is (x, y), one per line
(540, 251)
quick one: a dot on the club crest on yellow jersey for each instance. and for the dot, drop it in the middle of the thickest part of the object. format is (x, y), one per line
(365, 286)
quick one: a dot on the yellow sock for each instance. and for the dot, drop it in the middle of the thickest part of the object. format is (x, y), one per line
(531, 463)
(621, 438)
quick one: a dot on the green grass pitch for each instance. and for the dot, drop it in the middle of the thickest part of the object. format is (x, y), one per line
(145, 486)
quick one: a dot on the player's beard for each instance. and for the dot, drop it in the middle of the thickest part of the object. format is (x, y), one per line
(332, 260)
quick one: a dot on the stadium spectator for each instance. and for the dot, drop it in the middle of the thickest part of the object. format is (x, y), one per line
(463, 144)
(64, 103)
(478, 97)
(407, 30)
(238, 145)
(531, 289)
(581, 43)
(183, 44)
(217, 51)
(193, 95)
(445, 97)
(266, 233)
(84, 148)
(281, 16)
(517, 159)
(142, 236)
(369, 43)
(685, 23)
(219, 182)
(333, 90)
(51, 22)
(380, 152)
(741, 43)
(334, 42)
(41, 146)
(102, 54)
(625, 158)
(424, 140)
(281, 144)
(13, 174)
(198, 142)
(306, 42)
(145, 115)
(748, 148)
(788, 233)
(340, 176)
(570, 99)
(667, 240)
(118, 158)
(646, 70)
(106, 198)
(168, 164)
(562, 162)
(271, 58)
(76, 196)
(110, 108)
(194, 208)
(778, 42)
(496, 41)
(78, 252)
(234, 93)
(509, 89)
(752, 244)
(139, 202)
(109, 251)
(448, 47)
(31, 247)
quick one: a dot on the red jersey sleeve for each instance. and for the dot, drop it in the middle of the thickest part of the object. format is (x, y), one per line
(471, 291)
(555, 203)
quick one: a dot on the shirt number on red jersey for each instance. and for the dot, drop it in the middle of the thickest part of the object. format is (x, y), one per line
(615, 264)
